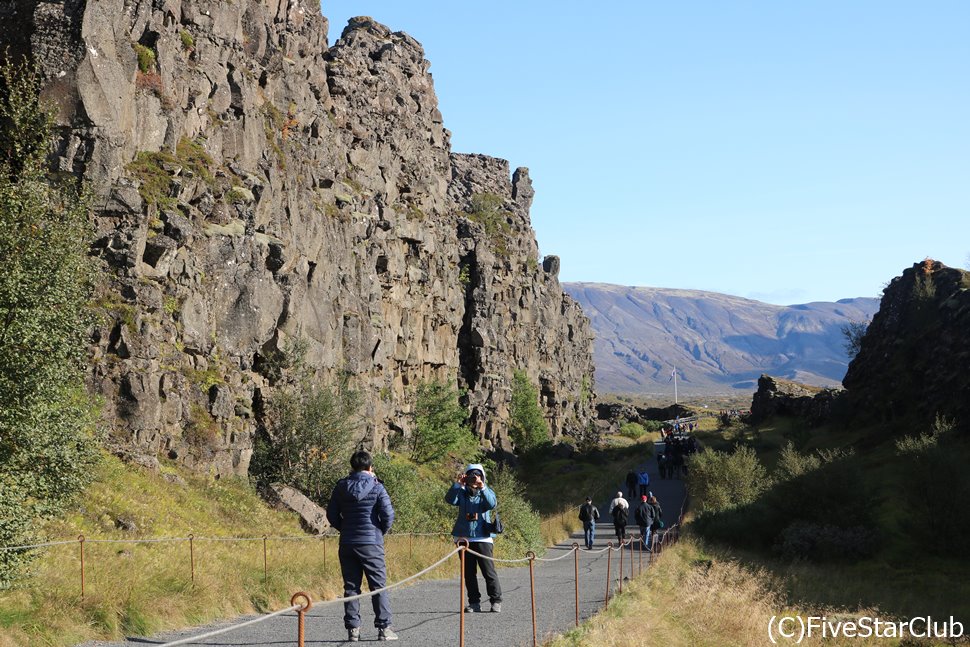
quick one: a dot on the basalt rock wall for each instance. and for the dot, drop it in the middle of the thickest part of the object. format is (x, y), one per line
(914, 358)
(254, 186)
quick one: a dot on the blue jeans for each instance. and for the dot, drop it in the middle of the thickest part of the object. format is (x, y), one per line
(589, 531)
(356, 561)
(645, 534)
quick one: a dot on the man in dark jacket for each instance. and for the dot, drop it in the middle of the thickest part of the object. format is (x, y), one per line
(588, 514)
(631, 484)
(361, 510)
(645, 516)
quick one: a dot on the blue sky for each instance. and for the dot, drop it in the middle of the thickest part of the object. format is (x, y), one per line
(781, 151)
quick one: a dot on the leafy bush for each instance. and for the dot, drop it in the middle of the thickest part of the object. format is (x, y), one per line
(523, 530)
(417, 496)
(937, 487)
(792, 464)
(440, 427)
(46, 416)
(632, 430)
(146, 58)
(527, 426)
(307, 438)
(653, 425)
(720, 481)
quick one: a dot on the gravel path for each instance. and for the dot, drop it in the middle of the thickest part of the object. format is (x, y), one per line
(426, 613)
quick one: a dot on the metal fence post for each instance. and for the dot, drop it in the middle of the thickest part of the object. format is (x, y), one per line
(622, 546)
(300, 613)
(609, 560)
(80, 539)
(462, 547)
(631, 557)
(192, 556)
(532, 588)
(265, 570)
(576, 577)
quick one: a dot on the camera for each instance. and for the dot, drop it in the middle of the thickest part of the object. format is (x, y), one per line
(471, 516)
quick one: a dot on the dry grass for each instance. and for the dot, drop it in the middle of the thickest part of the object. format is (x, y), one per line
(691, 598)
(145, 588)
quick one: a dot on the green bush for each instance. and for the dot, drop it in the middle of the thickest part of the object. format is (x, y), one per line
(187, 41)
(527, 426)
(307, 440)
(720, 481)
(417, 496)
(440, 425)
(146, 58)
(934, 489)
(46, 416)
(523, 530)
(632, 430)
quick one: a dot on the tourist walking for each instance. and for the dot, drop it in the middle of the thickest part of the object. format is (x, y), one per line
(643, 480)
(588, 514)
(619, 510)
(360, 510)
(631, 484)
(645, 516)
(475, 501)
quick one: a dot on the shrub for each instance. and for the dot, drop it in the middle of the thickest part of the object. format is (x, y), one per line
(46, 416)
(440, 425)
(523, 531)
(308, 434)
(527, 426)
(146, 58)
(188, 42)
(632, 430)
(417, 496)
(792, 464)
(934, 495)
(720, 481)
(653, 425)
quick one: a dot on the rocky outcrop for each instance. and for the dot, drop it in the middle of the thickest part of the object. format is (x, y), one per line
(313, 518)
(776, 396)
(639, 415)
(914, 358)
(254, 185)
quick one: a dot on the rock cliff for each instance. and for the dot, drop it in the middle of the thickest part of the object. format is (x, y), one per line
(914, 358)
(776, 396)
(254, 185)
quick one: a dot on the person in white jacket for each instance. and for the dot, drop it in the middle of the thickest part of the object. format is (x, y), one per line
(620, 509)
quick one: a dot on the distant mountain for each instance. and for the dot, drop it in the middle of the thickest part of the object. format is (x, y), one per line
(719, 344)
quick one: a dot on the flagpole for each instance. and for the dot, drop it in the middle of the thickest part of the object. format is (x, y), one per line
(675, 385)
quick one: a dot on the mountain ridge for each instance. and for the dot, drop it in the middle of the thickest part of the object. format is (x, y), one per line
(718, 343)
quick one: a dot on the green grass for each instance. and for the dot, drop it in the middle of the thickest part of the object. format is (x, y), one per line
(146, 588)
(901, 578)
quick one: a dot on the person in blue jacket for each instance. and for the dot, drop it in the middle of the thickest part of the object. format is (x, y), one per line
(475, 500)
(360, 509)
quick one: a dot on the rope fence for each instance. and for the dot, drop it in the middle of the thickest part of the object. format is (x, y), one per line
(657, 543)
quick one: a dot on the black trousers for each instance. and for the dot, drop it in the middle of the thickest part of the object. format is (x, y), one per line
(472, 564)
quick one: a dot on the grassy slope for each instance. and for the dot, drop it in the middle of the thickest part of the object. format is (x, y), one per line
(694, 596)
(154, 591)
(684, 601)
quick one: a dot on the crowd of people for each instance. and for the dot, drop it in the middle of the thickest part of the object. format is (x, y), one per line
(671, 462)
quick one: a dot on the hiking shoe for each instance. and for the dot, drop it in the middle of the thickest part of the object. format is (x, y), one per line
(496, 607)
(353, 634)
(386, 633)
(473, 607)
